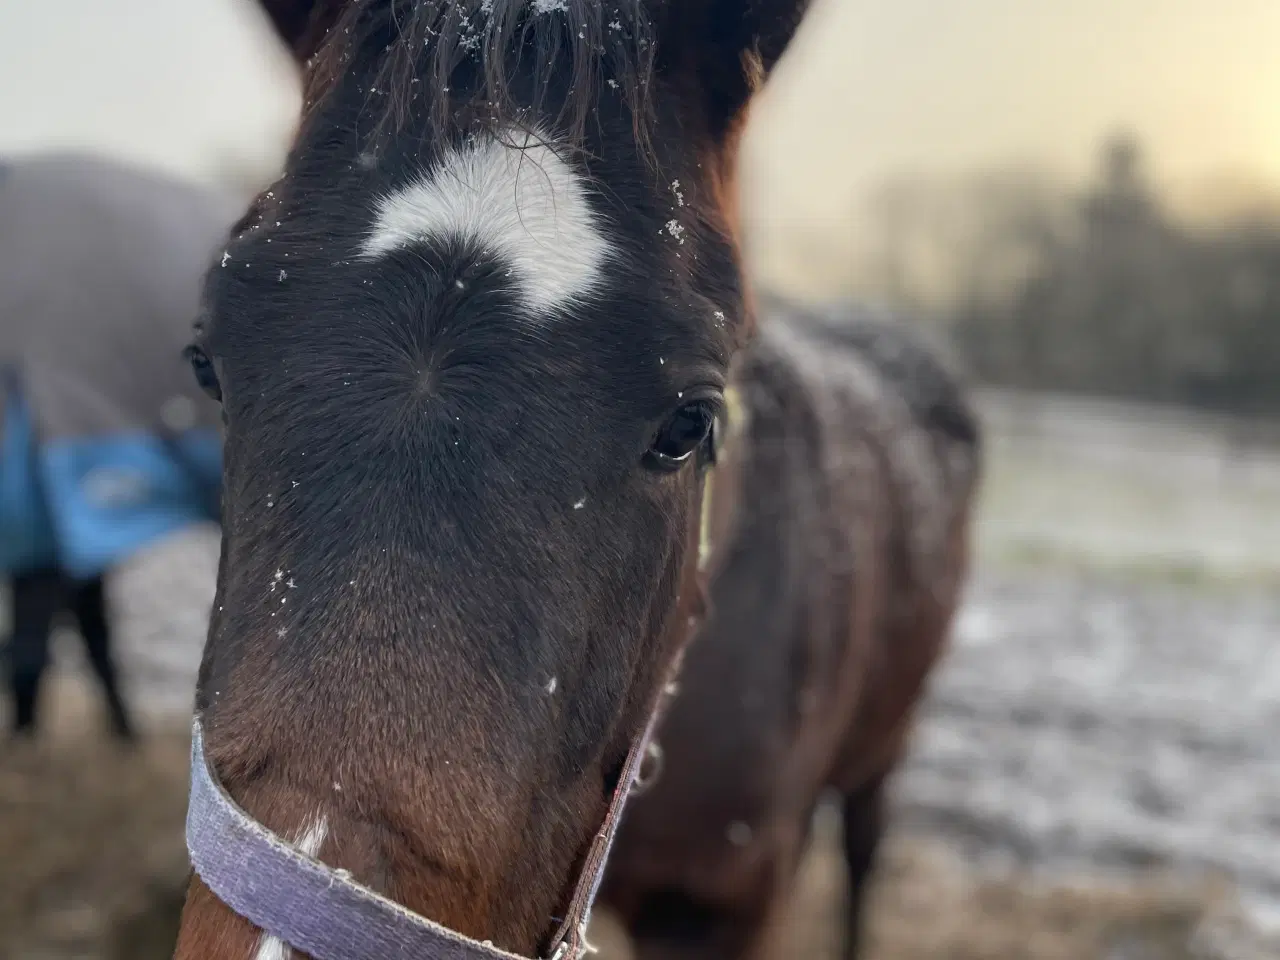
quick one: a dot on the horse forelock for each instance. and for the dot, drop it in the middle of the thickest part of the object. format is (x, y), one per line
(491, 62)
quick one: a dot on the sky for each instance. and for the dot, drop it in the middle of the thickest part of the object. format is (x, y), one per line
(872, 87)
(962, 82)
(938, 87)
(187, 85)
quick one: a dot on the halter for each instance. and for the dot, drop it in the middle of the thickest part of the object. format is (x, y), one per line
(327, 914)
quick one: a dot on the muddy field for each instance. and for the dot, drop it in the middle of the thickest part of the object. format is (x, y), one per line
(1096, 775)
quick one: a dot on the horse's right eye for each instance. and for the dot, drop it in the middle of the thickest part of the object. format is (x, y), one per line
(206, 375)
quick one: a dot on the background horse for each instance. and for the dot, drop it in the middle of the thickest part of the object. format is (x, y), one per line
(841, 518)
(107, 445)
(470, 348)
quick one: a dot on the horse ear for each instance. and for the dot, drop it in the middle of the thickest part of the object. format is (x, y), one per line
(302, 24)
(733, 44)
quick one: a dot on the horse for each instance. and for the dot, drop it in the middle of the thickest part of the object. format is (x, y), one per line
(107, 445)
(470, 348)
(842, 510)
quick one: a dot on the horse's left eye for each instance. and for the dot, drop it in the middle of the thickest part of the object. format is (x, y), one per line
(206, 375)
(680, 437)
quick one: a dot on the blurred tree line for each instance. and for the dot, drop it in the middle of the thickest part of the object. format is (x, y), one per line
(1100, 292)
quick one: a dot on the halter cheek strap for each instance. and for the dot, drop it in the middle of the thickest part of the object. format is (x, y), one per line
(724, 432)
(572, 933)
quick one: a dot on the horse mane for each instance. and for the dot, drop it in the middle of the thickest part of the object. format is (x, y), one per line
(607, 48)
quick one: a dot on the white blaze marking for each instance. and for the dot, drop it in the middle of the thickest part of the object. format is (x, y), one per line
(514, 198)
(272, 948)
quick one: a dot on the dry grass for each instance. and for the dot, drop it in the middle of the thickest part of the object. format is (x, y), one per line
(928, 904)
(90, 834)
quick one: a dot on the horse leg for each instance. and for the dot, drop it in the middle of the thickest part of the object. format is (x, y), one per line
(37, 598)
(90, 604)
(864, 823)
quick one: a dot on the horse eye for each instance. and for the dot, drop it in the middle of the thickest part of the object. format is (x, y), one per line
(202, 367)
(680, 437)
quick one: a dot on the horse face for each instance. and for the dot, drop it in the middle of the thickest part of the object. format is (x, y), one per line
(469, 349)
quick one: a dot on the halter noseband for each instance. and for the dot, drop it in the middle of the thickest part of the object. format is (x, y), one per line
(325, 913)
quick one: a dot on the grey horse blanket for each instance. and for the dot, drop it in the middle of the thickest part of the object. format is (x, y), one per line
(106, 443)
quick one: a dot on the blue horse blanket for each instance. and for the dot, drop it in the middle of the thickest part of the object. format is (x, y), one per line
(107, 443)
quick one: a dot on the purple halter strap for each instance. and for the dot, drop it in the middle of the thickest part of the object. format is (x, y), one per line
(328, 915)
